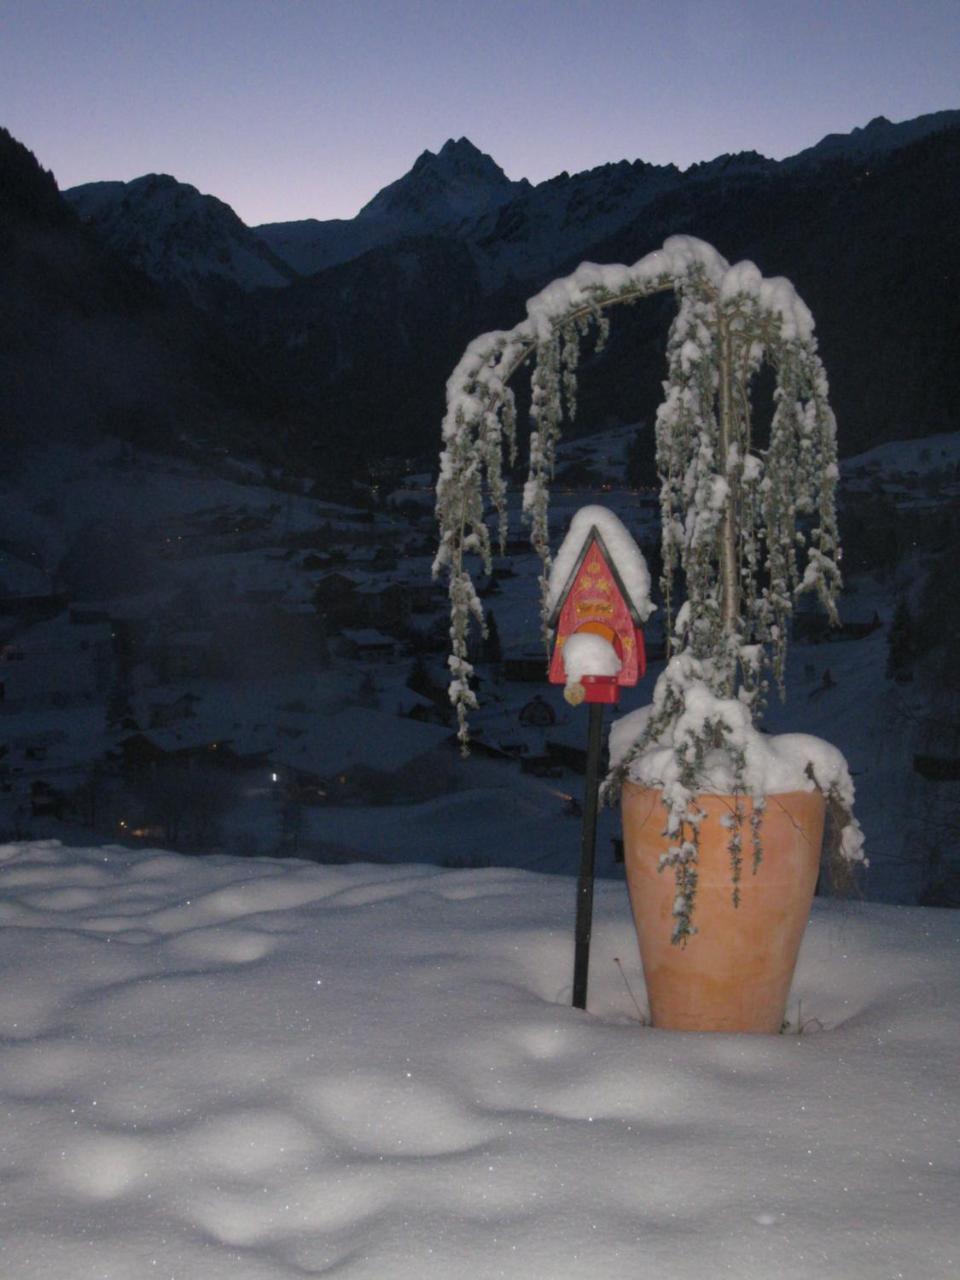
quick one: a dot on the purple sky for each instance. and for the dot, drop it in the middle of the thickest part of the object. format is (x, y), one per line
(306, 108)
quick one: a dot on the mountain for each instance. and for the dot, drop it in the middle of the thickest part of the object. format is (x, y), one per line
(369, 343)
(175, 234)
(309, 245)
(518, 231)
(515, 231)
(873, 247)
(513, 228)
(28, 193)
(89, 344)
(353, 351)
(441, 193)
(443, 190)
(875, 139)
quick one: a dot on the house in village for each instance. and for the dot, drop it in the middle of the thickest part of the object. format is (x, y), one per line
(193, 746)
(313, 561)
(183, 654)
(527, 666)
(349, 599)
(177, 781)
(60, 662)
(374, 558)
(336, 600)
(26, 592)
(366, 644)
(157, 751)
(811, 627)
(172, 710)
(538, 712)
(383, 604)
(424, 594)
(47, 752)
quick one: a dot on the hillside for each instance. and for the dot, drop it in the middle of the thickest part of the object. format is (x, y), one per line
(90, 345)
(219, 619)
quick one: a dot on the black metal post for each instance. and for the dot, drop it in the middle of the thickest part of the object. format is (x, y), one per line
(588, 848)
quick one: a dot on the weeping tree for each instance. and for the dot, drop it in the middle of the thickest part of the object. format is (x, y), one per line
(746, 529)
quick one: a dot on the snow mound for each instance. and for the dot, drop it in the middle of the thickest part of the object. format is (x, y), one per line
(585, 654)
(261, 1070)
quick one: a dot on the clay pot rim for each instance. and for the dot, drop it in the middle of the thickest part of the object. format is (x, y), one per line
(813, 789)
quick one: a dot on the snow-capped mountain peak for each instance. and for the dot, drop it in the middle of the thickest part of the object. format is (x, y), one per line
(512, 229)
(173, 232)
(873, 139)
(459, 182)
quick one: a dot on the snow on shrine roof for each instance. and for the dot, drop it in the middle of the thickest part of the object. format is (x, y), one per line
(625, 557)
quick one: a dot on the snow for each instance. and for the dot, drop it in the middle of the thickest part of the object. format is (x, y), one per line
(624, 553)
(173, 232)
(921, 454)
(678, 257)
(748, 761)
(257, 1069)
(477, 392)
(775, 763)
(359, 737)
(585, 654)
(776, 295)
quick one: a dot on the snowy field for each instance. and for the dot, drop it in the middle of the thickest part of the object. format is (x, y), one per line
(263, 1070)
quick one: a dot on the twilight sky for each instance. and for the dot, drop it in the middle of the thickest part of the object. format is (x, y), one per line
(306, 108)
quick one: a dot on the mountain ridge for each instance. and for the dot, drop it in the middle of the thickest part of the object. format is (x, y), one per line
(174, 233)
(458, 190)
(349, 363)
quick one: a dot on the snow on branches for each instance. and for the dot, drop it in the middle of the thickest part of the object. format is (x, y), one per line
(734, 520)
(747, 529)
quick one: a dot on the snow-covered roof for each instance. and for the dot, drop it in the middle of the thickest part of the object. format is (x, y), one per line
(366, 637)
(921, 454)
(189, 637)
(73, 736)
(59, 634)
(378, 586)
(18, 578)
(360, 736)
(350, 576)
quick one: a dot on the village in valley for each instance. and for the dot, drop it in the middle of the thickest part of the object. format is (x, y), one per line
(195, 653)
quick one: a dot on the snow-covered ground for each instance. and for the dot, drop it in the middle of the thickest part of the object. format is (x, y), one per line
(266, 1070)
(917, 456)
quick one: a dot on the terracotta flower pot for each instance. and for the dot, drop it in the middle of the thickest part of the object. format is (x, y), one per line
(734, 974)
